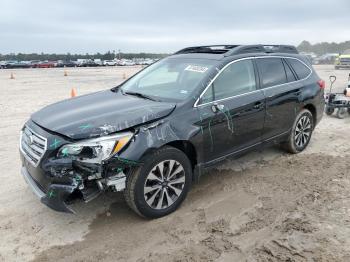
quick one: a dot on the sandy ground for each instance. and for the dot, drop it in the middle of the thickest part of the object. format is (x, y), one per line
(266, 206)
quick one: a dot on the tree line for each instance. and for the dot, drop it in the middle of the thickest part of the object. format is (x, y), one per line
(324, 47)
(304, 46)
(54, 57)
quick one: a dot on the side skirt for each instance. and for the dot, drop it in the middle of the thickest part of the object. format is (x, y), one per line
(202, 167)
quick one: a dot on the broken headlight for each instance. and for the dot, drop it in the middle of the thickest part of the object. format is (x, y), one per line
(98, 148)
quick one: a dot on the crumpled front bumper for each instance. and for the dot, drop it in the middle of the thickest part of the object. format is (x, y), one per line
(55, 196)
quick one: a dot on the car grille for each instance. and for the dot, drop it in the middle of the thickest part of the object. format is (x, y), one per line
(32, 145)
(345, 60)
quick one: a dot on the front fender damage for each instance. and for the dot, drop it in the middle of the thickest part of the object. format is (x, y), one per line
(87, 178)
(157, 134)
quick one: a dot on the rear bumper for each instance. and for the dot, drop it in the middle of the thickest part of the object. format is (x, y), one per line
(56, 195)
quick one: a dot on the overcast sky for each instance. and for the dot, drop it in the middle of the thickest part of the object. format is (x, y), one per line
(80, 26)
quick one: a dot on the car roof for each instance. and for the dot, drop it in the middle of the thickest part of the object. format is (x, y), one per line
(220, 52)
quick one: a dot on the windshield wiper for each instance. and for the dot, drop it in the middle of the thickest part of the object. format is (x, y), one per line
(140, 95)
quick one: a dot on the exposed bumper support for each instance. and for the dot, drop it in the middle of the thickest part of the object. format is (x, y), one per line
(55, 196)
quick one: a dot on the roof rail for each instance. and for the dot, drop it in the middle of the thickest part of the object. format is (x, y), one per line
(211, 49)
(229, 50)
(244, 49)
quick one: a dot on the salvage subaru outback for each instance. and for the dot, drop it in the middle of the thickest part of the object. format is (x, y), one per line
(153, 135)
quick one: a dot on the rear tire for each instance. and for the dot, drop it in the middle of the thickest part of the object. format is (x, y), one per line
(342, 112)
(159, 186)
(301, 132)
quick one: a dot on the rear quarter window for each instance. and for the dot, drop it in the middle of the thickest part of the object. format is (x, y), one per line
(271, 71)
(299, 68)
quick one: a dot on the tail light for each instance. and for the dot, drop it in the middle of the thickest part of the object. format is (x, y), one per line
(321, 83)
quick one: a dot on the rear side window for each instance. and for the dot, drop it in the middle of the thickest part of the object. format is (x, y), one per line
(271, 71)
(299, 68)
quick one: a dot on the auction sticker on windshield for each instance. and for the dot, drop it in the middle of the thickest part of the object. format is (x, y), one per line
(196, 68)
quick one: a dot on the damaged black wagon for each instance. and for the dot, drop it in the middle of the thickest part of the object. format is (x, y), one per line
(153, 135)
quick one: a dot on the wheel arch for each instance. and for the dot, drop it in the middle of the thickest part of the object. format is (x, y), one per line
(187, 148)
(183, 145)
(313, 111)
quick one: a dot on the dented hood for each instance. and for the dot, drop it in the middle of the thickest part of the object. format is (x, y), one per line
(99, 114)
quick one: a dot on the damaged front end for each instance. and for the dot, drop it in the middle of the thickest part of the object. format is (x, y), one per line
(75, 170)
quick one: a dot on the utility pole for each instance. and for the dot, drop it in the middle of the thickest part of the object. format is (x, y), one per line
(119, 54)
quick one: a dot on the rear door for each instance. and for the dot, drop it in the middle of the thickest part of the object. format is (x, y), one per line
(277, 82)
(232, 111)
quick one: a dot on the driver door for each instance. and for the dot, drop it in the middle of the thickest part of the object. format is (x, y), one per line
(232, 111)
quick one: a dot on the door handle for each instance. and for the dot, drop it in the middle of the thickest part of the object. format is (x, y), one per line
(217, 107)
(258, 105)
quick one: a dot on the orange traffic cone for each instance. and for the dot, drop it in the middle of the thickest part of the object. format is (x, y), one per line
(73, 92)
(65, 73)
(12, 76)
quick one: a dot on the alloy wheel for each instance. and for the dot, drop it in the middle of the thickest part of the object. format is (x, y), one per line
(164, 184)
(302, 131)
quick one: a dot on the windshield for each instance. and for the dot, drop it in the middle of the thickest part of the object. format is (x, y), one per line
(170, 78)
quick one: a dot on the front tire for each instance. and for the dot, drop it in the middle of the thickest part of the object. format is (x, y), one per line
(159, 186)
(300, 135)
(329, 110)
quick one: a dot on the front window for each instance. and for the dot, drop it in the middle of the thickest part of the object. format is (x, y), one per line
(170, 78)
(236, 79)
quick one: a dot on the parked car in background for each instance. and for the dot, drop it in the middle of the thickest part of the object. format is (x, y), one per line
(46, 64)
(109, 62)
(148, 61)
(343, 60)
(61, 63)
(98, 62)
(88, 63)
(34, 63)
(5, 64)
(328, 58)
(309, 55)
(17, 64)
(143, 61)
(126, 62)
(153, 135)
(2, 64)
(79, 62)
